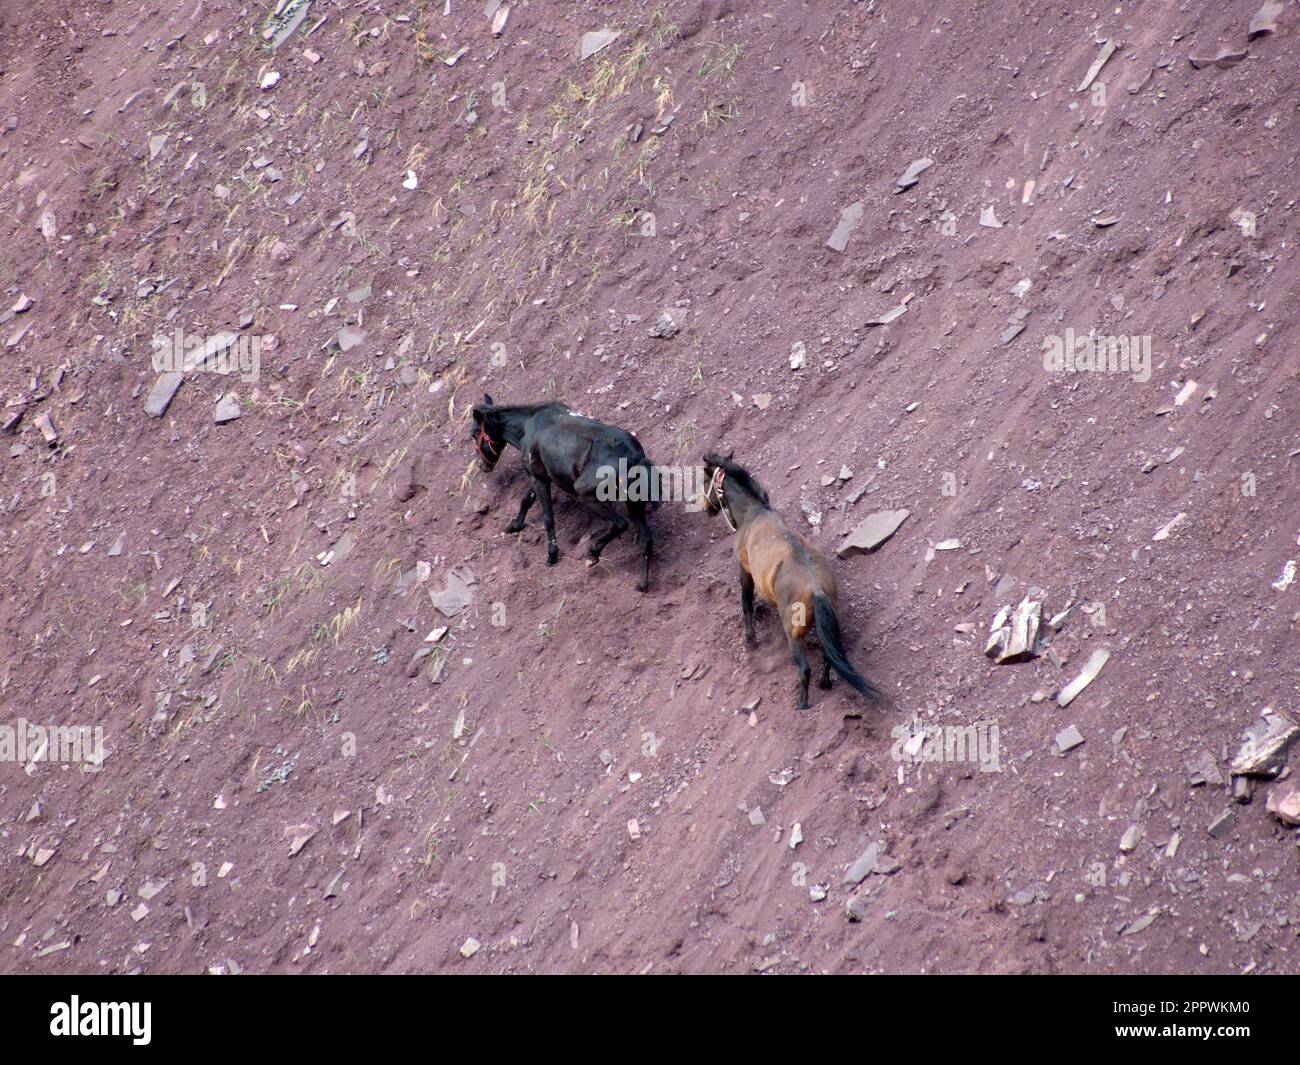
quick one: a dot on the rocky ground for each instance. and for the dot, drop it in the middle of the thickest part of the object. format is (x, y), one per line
(387, 209)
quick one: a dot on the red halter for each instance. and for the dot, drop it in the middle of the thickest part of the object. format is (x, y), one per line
(492, 455)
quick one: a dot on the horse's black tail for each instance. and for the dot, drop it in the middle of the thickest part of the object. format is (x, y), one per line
(828, 632)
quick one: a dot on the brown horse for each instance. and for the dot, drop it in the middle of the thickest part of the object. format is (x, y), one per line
(790, 574)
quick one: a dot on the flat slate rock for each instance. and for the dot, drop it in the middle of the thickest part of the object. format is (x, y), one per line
(1203, 768)
(864, 866)
(1263, 751)
(1223, 58)
(294, 21)
(163, 392)
(210, 349)
(913, 173)
(1068, 739)
(1264, 20)
(228, 409)
(344, 547)
(349, 337)
(872, 533)
(456, 596)
(1222, 825)
(849, 219)
(591, 43)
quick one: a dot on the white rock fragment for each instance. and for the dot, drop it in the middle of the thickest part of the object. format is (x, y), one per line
(591, 43)
(1288, 575)
(1013, 635)
(1284, 802)
(1175, 841)
(1264, 745)
(1107, 50)
(1163, 534)
(1090, 671)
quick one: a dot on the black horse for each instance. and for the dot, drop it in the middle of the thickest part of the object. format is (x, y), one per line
(595, 462)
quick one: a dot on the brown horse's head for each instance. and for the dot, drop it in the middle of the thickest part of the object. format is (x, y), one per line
(489, 441)
(714, 474)
(719, 473)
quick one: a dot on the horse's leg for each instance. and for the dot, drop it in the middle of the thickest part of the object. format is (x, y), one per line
(617, 526)
(636, 511)
(530, 497)
(800, 655)
(543, 492)
(747, 606)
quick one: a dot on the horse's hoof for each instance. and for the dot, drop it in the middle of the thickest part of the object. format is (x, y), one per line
(592, 560)
(644, 586)
(552, 558)
(515, 527)
(824, 685)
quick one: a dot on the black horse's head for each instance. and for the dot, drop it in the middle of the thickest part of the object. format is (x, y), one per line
(486, 429)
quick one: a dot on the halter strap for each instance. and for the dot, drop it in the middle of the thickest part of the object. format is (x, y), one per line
(484, 440)
(714, 493)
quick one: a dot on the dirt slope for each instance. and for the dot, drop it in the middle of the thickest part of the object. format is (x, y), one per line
(166, 583)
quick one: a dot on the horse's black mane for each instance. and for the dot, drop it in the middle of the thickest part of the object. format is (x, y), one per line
(740, 475)
(528, 408)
